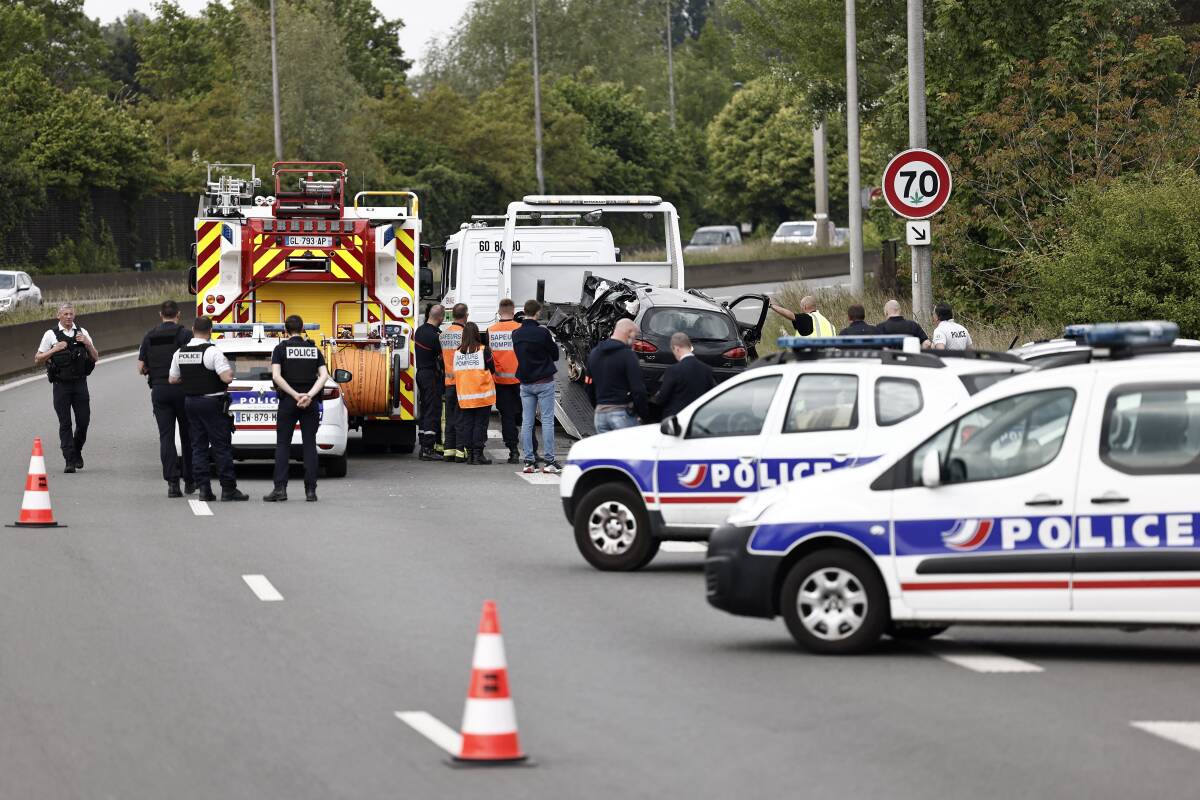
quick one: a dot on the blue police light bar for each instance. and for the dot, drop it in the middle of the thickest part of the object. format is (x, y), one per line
(249, 327)
(857, 342)
(1124, 334)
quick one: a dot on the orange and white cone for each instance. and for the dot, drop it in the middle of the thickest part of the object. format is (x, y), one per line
(489, 726)
(35, 505)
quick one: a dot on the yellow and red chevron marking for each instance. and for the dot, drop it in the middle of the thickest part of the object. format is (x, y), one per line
(405, 268)
(407, 402)
(208, 255)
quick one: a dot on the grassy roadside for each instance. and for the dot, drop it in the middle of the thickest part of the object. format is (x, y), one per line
(833, 303)
(93, 301)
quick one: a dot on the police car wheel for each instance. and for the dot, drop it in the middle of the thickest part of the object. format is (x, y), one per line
(612, 530)
(915, 633)
(834, 602)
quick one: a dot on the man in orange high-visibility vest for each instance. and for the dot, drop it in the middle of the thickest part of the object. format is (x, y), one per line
(451, 338)
(508, 387)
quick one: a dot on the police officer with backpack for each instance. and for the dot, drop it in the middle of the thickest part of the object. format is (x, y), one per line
(299, 370)
(167, 400)
(205, 374)
(69, 356)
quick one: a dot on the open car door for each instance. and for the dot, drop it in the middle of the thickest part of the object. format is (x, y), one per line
(750, 311)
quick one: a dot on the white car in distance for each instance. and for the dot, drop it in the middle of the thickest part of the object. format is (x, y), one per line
(17, 289)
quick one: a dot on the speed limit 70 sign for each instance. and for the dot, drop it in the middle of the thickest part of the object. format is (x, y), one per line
(916, 184)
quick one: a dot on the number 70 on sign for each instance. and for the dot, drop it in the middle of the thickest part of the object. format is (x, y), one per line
(917, 183)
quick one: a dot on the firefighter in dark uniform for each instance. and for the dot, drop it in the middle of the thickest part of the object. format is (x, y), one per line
(204, 372)
(298, 368)
(154, 361)
(430, 377)
(450, 339)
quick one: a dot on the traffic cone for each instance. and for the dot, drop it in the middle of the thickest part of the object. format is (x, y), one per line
(489, 726)
(35, 505)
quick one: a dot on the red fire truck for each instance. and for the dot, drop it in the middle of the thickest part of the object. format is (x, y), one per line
(357, 271)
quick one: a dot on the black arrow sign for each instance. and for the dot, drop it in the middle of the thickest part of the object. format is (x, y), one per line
(920, 234)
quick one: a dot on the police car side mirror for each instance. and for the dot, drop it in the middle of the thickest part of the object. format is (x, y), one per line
(671, 427)
(342, 376)
(931, 470)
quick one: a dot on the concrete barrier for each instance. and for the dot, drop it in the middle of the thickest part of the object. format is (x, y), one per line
(735, 273)
(90, 282)
(113, 332)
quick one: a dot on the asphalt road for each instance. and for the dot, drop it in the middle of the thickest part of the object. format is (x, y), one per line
(137, 663)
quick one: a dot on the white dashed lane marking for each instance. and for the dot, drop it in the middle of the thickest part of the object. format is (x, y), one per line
(433, 729)
(684, 547)
(539, 478)
(978, 660)
(262, 588)
(1183, 733)
(200, 508)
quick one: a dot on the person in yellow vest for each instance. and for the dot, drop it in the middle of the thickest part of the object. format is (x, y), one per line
(450, 339)
(508, 388)
(476, 388)
(809, 322)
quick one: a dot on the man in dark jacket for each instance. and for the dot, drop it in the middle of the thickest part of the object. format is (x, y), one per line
(617, 380)
(430, 379)
(858, 325)
(895, 323)
(685, 380)
(167, 400)
(537, 363)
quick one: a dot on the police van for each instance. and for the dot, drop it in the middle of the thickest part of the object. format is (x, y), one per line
(820, 405)
(253, 401)
(1062, 496)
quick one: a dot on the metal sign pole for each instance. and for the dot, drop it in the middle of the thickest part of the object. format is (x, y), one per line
(852, 189)
(922, 261)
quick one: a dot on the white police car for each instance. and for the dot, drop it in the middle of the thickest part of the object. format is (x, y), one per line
(1064, 495)
(253, 401)
(820, 405)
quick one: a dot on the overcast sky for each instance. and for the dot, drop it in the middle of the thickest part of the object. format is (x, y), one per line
(422, 18)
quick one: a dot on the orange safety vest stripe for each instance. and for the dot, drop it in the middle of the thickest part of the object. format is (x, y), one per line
(503, 354)
(476, 389)
(450, 338)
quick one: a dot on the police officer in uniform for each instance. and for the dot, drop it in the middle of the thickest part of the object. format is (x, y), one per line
(451, 339)
(430, 377)
(299, 371)
(154, 361)
(508, 387)
(204, 372)
(70, 356)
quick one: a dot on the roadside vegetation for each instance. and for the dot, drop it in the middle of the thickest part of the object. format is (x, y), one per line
(93, 301)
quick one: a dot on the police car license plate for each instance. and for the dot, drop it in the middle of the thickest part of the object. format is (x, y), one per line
(309, 241)
(254, 417)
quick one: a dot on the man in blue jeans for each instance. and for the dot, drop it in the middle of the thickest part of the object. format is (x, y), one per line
(537, 362)
(620, 392)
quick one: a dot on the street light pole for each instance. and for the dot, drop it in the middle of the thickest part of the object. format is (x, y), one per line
(922, 261)
(852, 188)
(670, 66)
(275, 89)
(537, 106)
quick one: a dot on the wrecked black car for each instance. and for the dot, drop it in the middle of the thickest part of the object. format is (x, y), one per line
(724, 335)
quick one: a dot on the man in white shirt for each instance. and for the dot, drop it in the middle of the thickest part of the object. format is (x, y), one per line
(69, 356)
(205, 373)
(949, 335)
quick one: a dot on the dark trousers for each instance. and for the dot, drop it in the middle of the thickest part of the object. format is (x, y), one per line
(285, 422)
(211, 427)
(473, 427)
(430, 388)
(508, 403)
(169, 411)
(450, 440)
(72, 396)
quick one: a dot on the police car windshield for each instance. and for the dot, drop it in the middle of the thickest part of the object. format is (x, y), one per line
(7, 281)
(250, 366)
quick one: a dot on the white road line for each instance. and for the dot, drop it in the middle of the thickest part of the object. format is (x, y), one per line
(433, 729)
(263, 588)
(41, 376)
(539, 478)
(1184, 733)
(200, 508)
(684, 547)
(979, 660)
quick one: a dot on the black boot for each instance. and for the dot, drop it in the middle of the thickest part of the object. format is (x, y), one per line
(471, 456)
(514, 456)
(189, 487)
(173, 489)
(429, 454)
(481, 456)
(310, 494)
(233, 494)
(277, 495)
(205, 492)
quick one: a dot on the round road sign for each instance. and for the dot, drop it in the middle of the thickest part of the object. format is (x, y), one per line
(916, 184)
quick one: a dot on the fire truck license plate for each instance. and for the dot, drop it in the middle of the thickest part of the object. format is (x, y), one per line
(310, 241)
